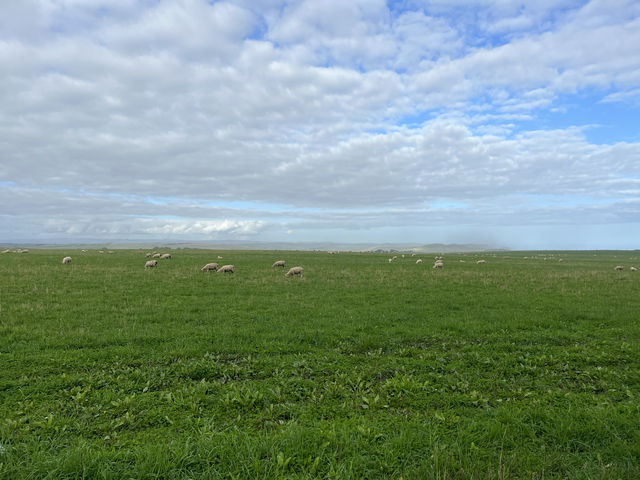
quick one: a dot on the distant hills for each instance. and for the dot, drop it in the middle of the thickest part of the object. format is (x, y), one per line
(257, 245)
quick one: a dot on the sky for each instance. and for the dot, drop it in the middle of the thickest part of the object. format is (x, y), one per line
(494, 122)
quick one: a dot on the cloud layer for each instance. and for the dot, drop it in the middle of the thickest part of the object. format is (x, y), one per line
(206, 120)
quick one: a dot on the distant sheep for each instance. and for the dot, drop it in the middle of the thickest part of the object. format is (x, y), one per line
(438, 264)
(294, 271)
(633, 269)
(166, 256)
(156, 255)
(219, 257)
(148, 255)
(279, 263)
(391, 260)
(210, 266)
(619, 267)
(151, 264)
(66, 260)
(480, 262)
(226, 269)
(419, 260)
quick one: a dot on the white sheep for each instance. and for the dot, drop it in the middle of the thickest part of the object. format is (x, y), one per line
(66, 260)
(151, 264)
(279, 263)
(619, 267)
(166, 256)
(438, 264)
(210, 266)
(226, 269)
(294, 271)
(480, 262)
(391, 260)
(419, 260)
(219, 257)
(148, 255)
(633, 269)
(156, 255)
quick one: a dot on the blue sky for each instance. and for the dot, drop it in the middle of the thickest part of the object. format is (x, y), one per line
(445, 121)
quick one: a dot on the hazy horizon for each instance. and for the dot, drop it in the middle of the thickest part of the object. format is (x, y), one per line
(513, 124)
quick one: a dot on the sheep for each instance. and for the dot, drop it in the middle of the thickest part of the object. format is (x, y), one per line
(438, 264)
(294, 271)
(66, 260)
(619, 267)
(83, 250)
(219, 257)
(148, 255)
(210, 266)
(633, 269)
(390, 260)
(279, 263)
(6, 250)
(151, 264)
(226, 269)
(419, 260)
(480, 262)
(156, 255)
(166, 256)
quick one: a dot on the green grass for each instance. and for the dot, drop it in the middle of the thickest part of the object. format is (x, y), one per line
(525, 367)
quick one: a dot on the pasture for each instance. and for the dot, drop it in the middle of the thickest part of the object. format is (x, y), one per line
(525, 367)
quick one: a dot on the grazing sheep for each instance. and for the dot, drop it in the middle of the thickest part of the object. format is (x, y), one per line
(219, 257)
(6, 251)
(480, 262)
(166, 256)
(419, 260)
(210, 266)
(294, 271)
(151, 264)
(83, 251)
(619, 267)
(156, 255)
(633, 269)
(279, 263)
(438, 264)
(66, 260)
(226, 269)
(390, 260)
(148, 255)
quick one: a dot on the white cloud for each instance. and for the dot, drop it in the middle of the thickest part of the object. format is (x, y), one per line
(347, 108)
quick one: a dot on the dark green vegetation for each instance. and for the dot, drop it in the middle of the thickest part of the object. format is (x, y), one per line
(525, 367)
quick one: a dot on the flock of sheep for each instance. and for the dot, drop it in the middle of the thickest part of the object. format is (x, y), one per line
(209, 266)
(153, 263)
(437, 264)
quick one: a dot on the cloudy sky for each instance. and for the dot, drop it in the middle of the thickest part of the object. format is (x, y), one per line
(417, 121)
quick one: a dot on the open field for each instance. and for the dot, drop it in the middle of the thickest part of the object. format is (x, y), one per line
(525, 367)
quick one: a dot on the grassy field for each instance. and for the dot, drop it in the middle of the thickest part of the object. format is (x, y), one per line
(525, 367)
